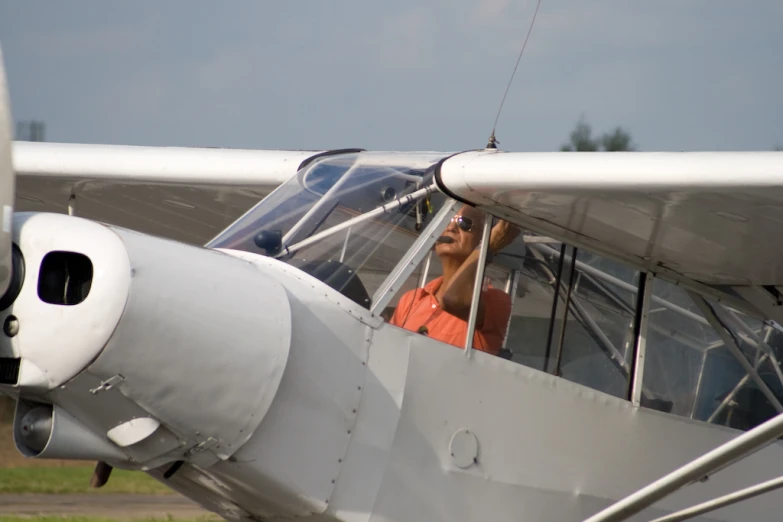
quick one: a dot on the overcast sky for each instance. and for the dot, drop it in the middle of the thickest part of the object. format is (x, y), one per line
(402, 75)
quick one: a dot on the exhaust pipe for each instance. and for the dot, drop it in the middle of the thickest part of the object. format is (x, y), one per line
(48, 432)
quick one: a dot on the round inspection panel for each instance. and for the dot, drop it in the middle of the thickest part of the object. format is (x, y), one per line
(463, 448)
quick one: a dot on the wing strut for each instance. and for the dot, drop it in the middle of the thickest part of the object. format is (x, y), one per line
(698, 469)
(725, 500)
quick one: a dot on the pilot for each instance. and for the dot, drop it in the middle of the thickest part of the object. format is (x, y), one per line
(441, 309)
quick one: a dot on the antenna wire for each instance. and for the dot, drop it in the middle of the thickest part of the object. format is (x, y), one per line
(492, 140)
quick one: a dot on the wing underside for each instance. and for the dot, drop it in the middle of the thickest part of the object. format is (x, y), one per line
(709, 220)
(713, 217)
(187, 194)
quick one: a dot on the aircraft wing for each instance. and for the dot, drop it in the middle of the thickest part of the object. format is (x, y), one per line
(187, 194)
(710, 217)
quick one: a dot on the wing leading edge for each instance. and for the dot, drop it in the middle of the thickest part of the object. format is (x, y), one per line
(709, 220)
(187, 194)
(713, 217)
(708, 217)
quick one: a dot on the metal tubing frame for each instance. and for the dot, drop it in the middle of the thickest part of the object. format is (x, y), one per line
(561, 336)
(760, 343)
(728, 398)
(641, 318)
(543, 228)
(757, 364)
(322, 202)
(724, 334)
(723, 501)
(588, 323)
(425, 271)
(609, 292)
(579, 313)
(594, 274)
(345, 244)
(703, 466)
(394, 205)
(676, 336)
(555, 301)
(769, 329)
(625, 286)
(602, 337)
(533, 238)
(584, 318)
(511, 289)
(699, 381)
(599, 336)
(325, 200)
(477, 284)
(509, 282)
(415, 254)
(716, 344)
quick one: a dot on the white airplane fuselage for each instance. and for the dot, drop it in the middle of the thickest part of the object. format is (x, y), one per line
(287, 400)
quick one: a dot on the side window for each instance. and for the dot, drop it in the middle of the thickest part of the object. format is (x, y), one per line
(597, 347)
(528, 277)
(572, 312)
(434, 266)
(747, 405)
(696, 372)
(679, 342)
(437, 300)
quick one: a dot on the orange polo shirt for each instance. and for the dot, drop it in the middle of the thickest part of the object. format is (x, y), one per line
(419, 308)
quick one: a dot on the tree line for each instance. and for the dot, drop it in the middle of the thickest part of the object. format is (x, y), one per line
(582, 139)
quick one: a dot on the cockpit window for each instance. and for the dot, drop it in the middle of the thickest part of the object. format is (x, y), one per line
(347, 220)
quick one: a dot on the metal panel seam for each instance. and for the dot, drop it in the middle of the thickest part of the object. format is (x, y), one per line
(124, 308)
(368, 335)
(342, 302)
(396, 428)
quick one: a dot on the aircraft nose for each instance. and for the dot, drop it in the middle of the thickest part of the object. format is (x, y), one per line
(133, 346)
(75, 283)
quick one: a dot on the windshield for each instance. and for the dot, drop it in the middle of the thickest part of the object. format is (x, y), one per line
(347, 219)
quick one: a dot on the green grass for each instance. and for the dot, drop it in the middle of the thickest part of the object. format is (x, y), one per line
(6, 409)
(76, 480)
(17, 518)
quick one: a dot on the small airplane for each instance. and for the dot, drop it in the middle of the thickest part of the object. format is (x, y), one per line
(224, 321)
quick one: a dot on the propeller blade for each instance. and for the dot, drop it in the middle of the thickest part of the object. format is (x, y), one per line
(7, 182)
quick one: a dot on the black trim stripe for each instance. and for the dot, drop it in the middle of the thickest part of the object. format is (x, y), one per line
(333, 152)
(637, 332)
(439, 181)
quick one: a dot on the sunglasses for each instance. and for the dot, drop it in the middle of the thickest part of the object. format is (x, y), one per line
(464, 223)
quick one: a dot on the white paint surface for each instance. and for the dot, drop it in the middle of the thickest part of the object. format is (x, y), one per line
(710, 216)
(155, 165)
(133, 431)
(62, 340)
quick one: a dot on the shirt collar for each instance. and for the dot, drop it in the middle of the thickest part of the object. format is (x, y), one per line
(433, 285)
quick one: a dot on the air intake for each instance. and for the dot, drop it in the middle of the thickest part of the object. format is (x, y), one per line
(9, 370)
(65, 278)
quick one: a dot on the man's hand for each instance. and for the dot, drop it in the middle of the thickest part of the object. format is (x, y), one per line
(502, 234)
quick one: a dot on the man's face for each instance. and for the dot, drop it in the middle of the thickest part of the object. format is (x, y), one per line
(465, 232)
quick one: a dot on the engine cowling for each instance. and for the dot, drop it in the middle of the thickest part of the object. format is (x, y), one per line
(161, 350)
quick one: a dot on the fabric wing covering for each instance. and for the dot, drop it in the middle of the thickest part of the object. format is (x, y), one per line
(186, 194)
